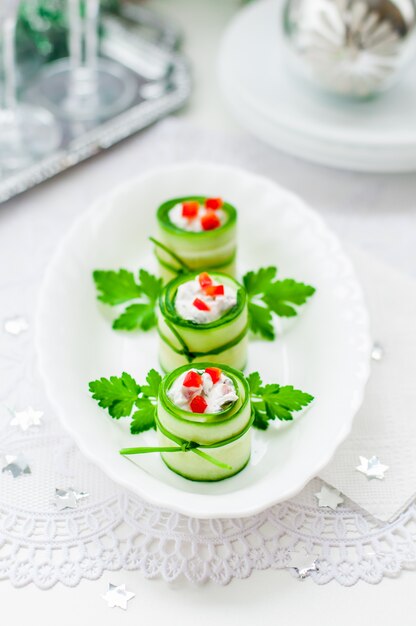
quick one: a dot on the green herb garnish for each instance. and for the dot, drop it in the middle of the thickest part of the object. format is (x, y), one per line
(270, 402)
(119, 395)
(119, 287)
(267, 296)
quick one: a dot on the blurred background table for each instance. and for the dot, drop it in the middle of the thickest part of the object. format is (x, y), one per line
(377, 213)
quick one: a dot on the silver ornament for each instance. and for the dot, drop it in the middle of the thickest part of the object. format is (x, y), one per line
(117, 595)
(351, 47)
(372, 468)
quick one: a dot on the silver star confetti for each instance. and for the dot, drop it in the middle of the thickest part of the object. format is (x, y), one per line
(377, 353)
(329, 496)
(304, 564)
(68, 498)
(27, 418)
(16, 465)
(372, 468)
(16, 325)
(117, 595)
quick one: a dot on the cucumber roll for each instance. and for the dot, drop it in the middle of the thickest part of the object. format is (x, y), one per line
(203, 316)
(195, 233)
(210, 407)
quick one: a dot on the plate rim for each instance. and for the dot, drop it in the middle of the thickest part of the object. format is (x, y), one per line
(245, 509)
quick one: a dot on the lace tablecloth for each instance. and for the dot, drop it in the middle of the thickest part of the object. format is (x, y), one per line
(112, 528)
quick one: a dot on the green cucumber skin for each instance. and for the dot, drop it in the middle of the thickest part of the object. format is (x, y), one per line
(202, 338)
(193, 467)
(234, 357)
(200, 251)
(207, 433)
(204, 480)
(207, 430)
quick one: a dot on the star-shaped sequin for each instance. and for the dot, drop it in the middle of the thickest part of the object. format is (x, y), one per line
(68, 498)
(372, 468)
(16, 325)
(16, 465)
(303, 563)
(27, 418)
(117, 595)
(329, 496)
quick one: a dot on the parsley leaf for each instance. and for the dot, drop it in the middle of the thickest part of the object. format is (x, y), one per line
(257, 282)
(120, 287)
(144, 418)
(153, 379)
(116, 287)
(150, 285)
(118, 395)
(254, 382)
(275, 402)
(136, 316)
(267, 296)
(282, 293)
(260, 320)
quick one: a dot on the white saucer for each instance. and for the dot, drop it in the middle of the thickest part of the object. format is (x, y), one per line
(278, 106)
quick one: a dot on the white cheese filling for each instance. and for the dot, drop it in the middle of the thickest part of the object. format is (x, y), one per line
(218, 305)
(193, 224)
(216, 395)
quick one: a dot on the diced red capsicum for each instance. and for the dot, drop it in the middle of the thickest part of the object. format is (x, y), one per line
(190, 209)
(214, 372)
(210, 221)
(214, 290)
(201, 305)
(192, 379)
(205, 280)
(198, 404)
(213, 203)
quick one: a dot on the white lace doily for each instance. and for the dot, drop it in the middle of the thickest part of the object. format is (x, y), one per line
(114, 529)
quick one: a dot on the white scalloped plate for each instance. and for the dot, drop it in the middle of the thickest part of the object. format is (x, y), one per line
(325, 351)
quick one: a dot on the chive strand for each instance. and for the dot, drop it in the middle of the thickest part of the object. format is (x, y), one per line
(211, 459)
(172, 254)
(146, 449)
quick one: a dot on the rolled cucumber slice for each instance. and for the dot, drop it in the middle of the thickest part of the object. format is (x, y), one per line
(222, 341)
(225, 436)
(206, 250)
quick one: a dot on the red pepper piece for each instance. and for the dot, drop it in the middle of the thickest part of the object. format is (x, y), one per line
(214, 290)
(192, 379)
(214, 372)
(213, 203)
(201, 305)
(205, 280)
(190, 209)
(210, 221)
(198, 404)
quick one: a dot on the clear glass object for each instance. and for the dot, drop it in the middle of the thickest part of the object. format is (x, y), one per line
(27, 132)
(85, 86)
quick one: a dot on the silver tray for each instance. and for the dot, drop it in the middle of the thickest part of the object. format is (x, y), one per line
(163, 86)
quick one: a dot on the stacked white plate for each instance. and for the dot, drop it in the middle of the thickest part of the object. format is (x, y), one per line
(271, 101)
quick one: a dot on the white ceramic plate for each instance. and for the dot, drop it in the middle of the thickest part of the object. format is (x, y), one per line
(275, 104)
(325, 351)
